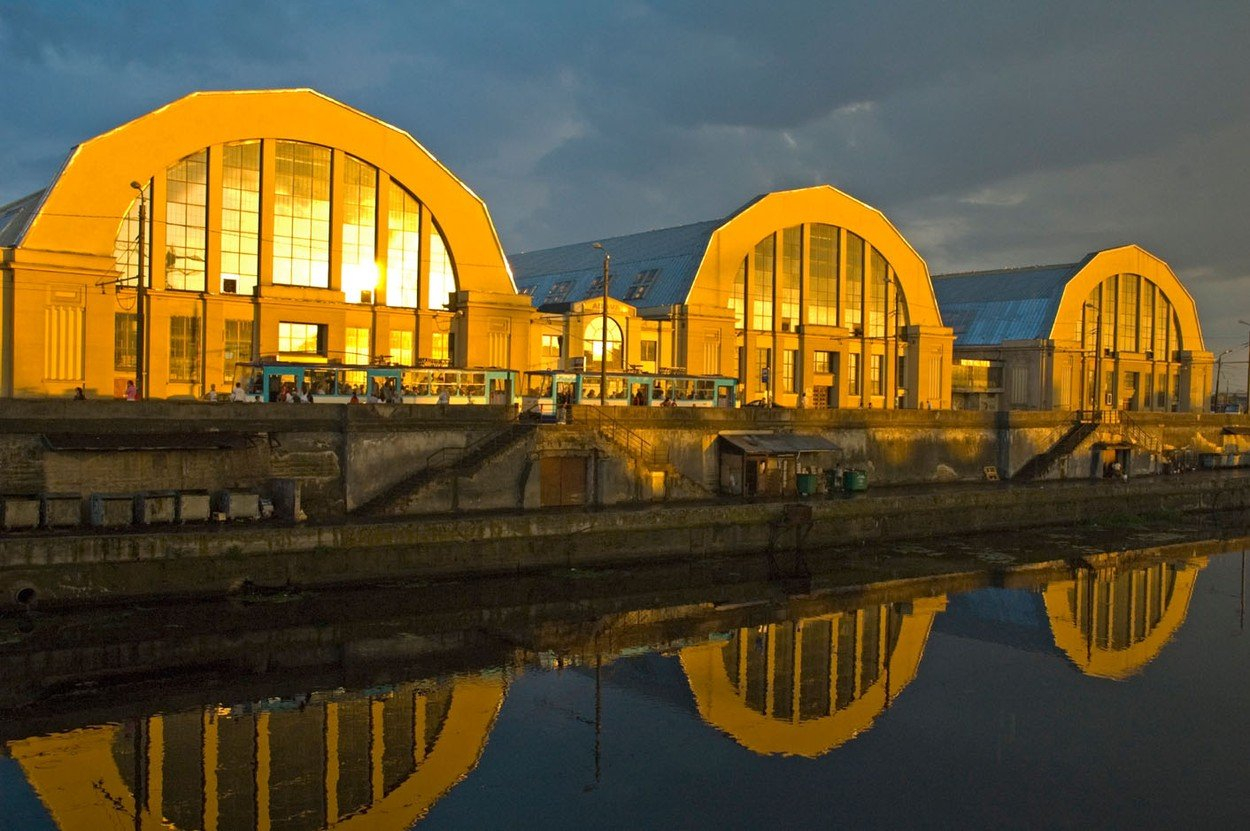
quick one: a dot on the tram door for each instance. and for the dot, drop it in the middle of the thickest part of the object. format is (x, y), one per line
(500, 389)
(278, 381)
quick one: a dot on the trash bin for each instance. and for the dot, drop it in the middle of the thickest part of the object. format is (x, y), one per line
(805, 483)
(855, 480)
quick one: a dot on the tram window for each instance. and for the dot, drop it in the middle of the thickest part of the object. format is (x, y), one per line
(319, 381)
(616, 389)
(703, 390)
(350, 380)
(250, 377)
(538, 386)
(590, 389)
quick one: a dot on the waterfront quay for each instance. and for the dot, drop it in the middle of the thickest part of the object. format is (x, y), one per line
(368, 493)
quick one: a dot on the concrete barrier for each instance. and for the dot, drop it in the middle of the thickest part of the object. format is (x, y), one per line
(61, 510)
(155, 507)
(111, 510)
(237, 504)
(194, 506)
(19, 512)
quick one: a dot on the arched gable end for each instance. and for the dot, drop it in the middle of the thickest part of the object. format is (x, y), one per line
(93, 193)
(1128, 259)
(731, 243)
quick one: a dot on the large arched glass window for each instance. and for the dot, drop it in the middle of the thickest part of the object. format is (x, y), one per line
(360, 210)
(592, 348)
(442, 271)
(186, 222)
(301, 215)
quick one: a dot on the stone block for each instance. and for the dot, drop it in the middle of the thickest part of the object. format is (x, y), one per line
(17, 512)
(111, 510)
(237, 504)
(61, 510)
(155, 507)
(194, 506)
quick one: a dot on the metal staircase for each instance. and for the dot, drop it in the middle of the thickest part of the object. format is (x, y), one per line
(1087, 421)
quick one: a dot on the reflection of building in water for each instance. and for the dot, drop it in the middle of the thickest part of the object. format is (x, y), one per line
(1111, 622)
(374, 760)
(806, 687)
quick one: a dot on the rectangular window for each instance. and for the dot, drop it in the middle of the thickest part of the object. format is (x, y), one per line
(401, 347)
(822, 296)
(852, 373)
(648, 350)
(125, 341)
(301, 215)
(737, 300)
(240, 217)
(184, 349)
(853, 317)
(403, 248)
(876, 377)
(360, 211)
(439, 349)
(763, 366)
(302, 338)
(356, 345)
(790, 277)
(821, 362)
(237, 347)
(789, 368)
(551, 350)
(186, 222)
(762, 286)
(877, 289)
(1128, 313)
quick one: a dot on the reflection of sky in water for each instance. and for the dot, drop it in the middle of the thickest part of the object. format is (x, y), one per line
(998, 727)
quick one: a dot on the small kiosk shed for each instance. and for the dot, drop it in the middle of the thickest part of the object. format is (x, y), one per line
(770, 464)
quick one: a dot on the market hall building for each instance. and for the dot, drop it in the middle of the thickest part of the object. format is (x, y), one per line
(277, 223)
(809, 297)
(1115, 331)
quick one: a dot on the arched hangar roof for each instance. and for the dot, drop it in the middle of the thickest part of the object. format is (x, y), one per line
(80, 210)
(695, 263)
(986, 308)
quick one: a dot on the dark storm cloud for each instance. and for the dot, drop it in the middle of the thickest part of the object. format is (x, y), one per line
(992, 133)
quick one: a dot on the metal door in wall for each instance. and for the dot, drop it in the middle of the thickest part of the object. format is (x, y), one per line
(563, 480)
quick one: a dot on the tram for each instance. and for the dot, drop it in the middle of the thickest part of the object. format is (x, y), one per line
(332, 383)
(545, 391)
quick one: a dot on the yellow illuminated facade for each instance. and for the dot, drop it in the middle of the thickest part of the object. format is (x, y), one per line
(1117, 331)
(275, 223)
(342, 761)
(805, 687)
(1112, 622)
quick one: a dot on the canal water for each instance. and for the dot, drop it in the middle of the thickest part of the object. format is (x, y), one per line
(1094, 697)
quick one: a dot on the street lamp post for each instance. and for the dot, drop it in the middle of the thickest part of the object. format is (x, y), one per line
(603, 334)
(1219, 370)
(141, 386)
(1243, 323)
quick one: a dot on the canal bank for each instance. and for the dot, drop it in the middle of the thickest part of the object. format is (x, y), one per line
(52, 570)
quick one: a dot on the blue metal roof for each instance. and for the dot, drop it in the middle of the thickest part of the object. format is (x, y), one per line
(986, 308)
(16, 216)
(570, 273)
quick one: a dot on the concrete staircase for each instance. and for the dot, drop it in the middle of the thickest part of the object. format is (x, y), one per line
(448, 462)
(650, 456)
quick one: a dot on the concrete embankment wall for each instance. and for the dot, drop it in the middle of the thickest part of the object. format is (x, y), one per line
(115, 567)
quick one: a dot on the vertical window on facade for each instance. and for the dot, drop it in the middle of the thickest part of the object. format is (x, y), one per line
(1147, 316)
(126, 246)
(789, 362)
(853, 308)
(125, 342)
(237, 347)
(822, 293)
(648, 351)
(302, 338)
(551, 347)
(821, 361)
(184, 349)
(763, 363)
(935, 377)
(240, 217)
(360, 210)
(403, 252)
(762, 286)
(1163, 344)
(401, 347)
(301, 215)
(711, 356)
(593, 343)
(737, 300)
(791, 277)
(1106, 308)
(852, 373)
(439, 349)
(63, 342)
(500, 348)
(356, 345)
(442, 271)
(876, 376)
(879, 281)
(1128, 312)
(186, 222)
